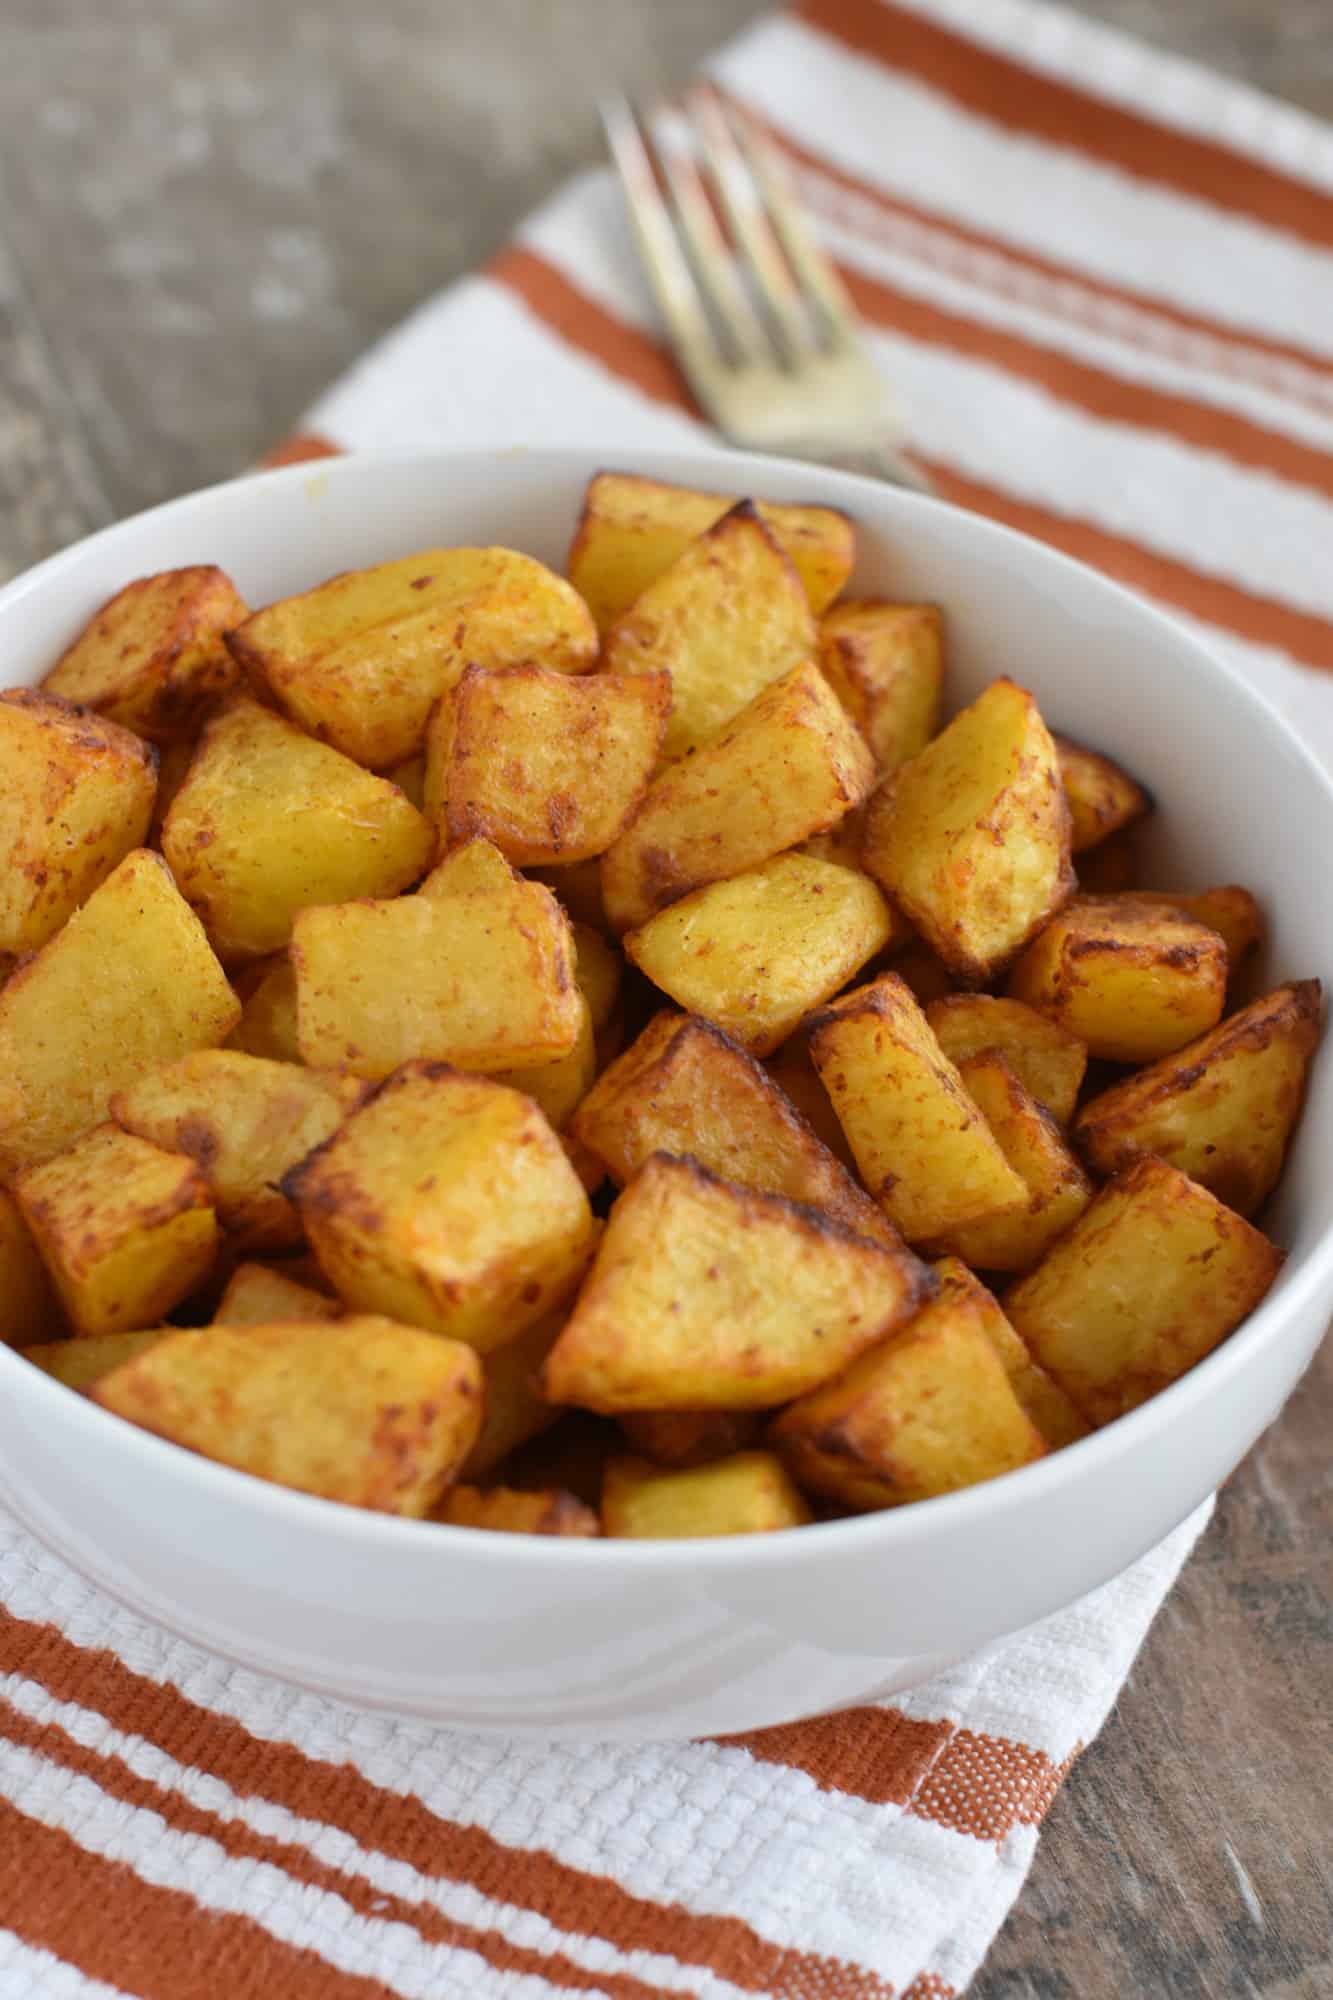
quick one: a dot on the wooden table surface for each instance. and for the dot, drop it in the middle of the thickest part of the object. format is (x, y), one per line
(210, 207)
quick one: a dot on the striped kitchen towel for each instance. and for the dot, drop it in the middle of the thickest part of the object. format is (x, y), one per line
(1102, 282)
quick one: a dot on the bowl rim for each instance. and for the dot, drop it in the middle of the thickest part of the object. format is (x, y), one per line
(889, 1528)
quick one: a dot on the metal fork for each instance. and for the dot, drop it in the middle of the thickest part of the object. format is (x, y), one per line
(761, 323)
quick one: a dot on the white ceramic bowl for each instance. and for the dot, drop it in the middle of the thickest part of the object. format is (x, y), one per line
(614, 1639)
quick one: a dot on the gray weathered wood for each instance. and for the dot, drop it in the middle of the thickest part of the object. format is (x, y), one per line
(207, 209)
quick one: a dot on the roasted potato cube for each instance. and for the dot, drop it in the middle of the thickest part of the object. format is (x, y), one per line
(80, 1363)
(477, 868)
(256, 1295)
(173, 767)
(1148, 1281)
(365, 1411)
(548, 766)
(685, 1087)
(729, 616)
(1223, 1110)
(707, 1295)
(795, 759)
(154, 658)
(361, 660)
(1039, 1396)
(1045, 1057)
(515, 1409)
(1231, 911)
(559, 1087)
(446, 1201)
(486, 981)
(1027, 1135)
(681, 1438)
(129, 983)
(633, 529)
(971, 839)
(925, 1152)
(925, 1412)
(125, 1229)
(1103, 799)
(244, 1121)
(269, 822)
(267, 1026)
(76, 794)
(29, 1312)
(503, 1508)
(756, 953)
(1132, 980)
(749, 1493)
(885, 663)
(598, 968)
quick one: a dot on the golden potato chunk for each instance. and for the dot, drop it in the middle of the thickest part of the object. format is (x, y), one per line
(1151, 1277)
(729, 616)
(1132, 980)
(125, 1229)
(750, 1493)
(76, 794)
(793, 1071)
(579, 887)
(267, 1026)
(632, 529)
(410, 778)
(681, 1438)
(269, 822)
(559, 1087)
(256, 1295)
(505, 1510)
(1223, 1110)
(446, 1201)
(793, 756)
(1039, 1396)
(927, 1411)
(885, 663)
(515, 1408)
(1231, 911)
(366, 1411)
(1046, 1058)
(483, 980)
(971, 838)
(244, 1121)
(684, 1087)
(707, 1295)
(29, 1312)
(756, 953)
(1058, 1189)
(548, 766)
(129, 983)
(1102, 797)
(843, 844)
(80, 1363)
(361, 660)
(154, 658)
(924, 1150)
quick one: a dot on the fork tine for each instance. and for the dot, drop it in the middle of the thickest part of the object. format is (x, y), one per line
(744, 209)
(668, 270)
(813, 267)
(709, 251)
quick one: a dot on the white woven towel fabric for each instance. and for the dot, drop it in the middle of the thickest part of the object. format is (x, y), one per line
(1103, 282)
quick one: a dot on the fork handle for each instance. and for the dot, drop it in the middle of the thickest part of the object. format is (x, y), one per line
(872, 461)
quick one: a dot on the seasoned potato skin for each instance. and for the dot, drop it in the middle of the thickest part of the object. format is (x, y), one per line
(1223, 1110)
(796, 758)
(1103, 798)
(683, 1438)
(1046, 1058)
(504, 1510)
(1153, 1275)
(885, 663)
(1133, 980)
(1040, 1397)
(76, 796)
(632, 529)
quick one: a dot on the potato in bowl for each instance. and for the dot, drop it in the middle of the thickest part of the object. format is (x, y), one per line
(949, 1149)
